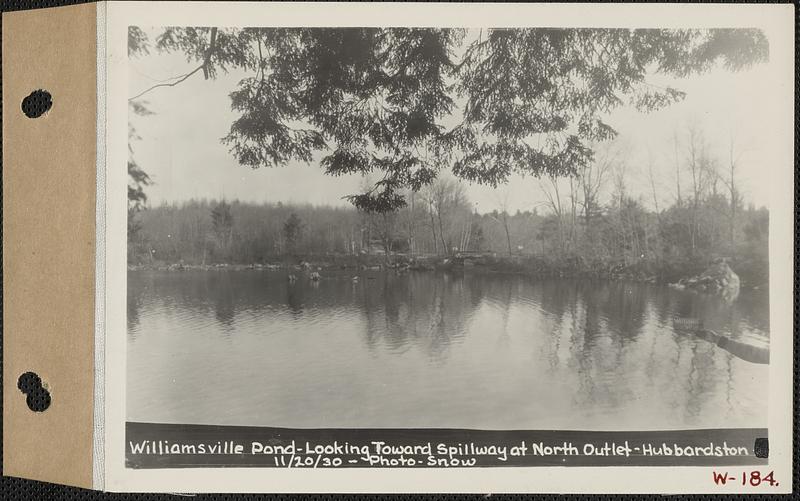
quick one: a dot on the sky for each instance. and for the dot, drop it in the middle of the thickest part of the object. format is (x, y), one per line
(180, 144)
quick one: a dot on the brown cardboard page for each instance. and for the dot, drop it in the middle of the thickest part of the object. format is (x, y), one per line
(49, 241)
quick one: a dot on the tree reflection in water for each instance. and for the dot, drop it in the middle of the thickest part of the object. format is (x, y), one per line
(590, 353)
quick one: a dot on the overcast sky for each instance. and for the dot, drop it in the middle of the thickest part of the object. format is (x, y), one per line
(180, 143)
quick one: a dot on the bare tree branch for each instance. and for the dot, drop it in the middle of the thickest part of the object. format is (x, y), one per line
(182, 78)
(171, 84)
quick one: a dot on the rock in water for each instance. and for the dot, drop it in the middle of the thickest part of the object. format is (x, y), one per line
(718, 278)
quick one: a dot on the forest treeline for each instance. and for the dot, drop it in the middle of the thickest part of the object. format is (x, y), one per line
(588, 224)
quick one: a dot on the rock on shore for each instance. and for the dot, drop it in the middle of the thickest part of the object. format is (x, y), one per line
(718, 278)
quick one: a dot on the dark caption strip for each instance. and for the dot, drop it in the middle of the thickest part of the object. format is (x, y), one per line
(198, 446)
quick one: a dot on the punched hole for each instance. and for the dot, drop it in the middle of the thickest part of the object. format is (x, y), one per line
(37, 103)
(37, 396)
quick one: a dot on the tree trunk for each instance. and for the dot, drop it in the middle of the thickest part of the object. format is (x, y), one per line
(441, 231)
(433, 229)
(508, 234)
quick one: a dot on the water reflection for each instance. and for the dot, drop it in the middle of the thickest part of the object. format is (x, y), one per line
(425, 349)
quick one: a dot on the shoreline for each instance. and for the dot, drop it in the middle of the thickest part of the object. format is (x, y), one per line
(534, 267)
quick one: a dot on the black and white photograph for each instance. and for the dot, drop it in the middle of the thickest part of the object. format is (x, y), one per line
(400, 247)
(449, 228)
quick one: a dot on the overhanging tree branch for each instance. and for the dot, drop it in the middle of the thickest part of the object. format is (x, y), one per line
(171, 84)
(204, 67)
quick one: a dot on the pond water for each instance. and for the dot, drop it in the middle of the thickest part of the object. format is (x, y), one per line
(430, 349)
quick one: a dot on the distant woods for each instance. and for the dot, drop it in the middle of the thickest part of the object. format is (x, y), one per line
(592, 223)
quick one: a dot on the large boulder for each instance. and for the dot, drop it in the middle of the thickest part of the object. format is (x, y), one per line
(718, 278)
